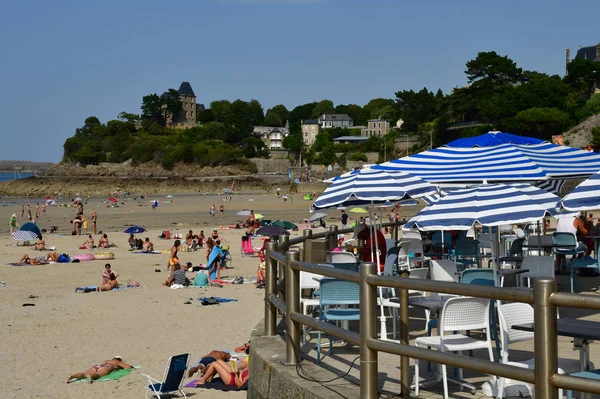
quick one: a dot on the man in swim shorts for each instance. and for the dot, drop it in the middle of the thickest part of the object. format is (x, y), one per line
(206, 360)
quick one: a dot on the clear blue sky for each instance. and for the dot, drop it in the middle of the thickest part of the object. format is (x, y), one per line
(63, 61)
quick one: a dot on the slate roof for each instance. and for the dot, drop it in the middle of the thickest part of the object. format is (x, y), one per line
(351, 138)
(310, 122)
(186, 90)
(587, 53)
(335, 117)
(200, 107)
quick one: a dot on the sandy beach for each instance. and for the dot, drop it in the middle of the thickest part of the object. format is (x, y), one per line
(67, 332)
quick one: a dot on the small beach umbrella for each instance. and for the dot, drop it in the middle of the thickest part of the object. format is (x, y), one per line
(243, 213)
(134, 230)
(317, 216)
(285, 224)
(258, 216)
(21, 235)
(271, 230)
(359, 210)
(113, 199)
(32, 227)
(584, 197)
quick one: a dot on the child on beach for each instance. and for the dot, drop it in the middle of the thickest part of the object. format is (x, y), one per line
(12, 223)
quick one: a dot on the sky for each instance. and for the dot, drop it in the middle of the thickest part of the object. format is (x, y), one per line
(63, 61)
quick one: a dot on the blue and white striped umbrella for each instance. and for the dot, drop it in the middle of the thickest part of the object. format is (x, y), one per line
(500, 163)
(488, 205)
(586, 196)
(369, 186)
(24, 235)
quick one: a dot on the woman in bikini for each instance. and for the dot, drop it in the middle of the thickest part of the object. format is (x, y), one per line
(206, 360)
(100, 370)
(228, 376)
(110, 284)
(173, 258)
(25, 259)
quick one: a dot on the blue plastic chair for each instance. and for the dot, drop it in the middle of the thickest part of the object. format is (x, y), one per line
(466, 252)
(577, 264)
(592, 374)
(173, 378)
(335, 293)
(436, 242)
(565, 244)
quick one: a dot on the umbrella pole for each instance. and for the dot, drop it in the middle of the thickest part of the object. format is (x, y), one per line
(494, 254)
(539, 239)
(375, 258)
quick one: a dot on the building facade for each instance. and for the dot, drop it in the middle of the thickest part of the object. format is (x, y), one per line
(271, 136)
(186, 117)
(376, 127)
(310, 130)
(335, 120)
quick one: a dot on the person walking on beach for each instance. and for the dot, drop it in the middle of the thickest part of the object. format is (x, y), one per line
(84, 222)
(12, 223)
(222, 210)
(37, 210)
(212, 210)
(22, 210)
(344, 219)
(94, 218)
(29, 208)
(100, 370)
(44, 210)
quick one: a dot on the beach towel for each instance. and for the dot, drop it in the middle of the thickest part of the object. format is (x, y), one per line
(216, 251)
(216, 384)
(24, 264)
(92, 288)
(211, 301)
(147, 253)
(114, 376)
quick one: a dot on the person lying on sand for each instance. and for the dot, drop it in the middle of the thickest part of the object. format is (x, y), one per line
(52, 256)
(40, 245)
(206, 360)
(100, 370)
(110, 284)
(243, 348)
(25, 259)
(148, 246)
(88, 244)
(106, 274)
(228, 376)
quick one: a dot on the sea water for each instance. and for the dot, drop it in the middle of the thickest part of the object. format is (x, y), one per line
(11, 176)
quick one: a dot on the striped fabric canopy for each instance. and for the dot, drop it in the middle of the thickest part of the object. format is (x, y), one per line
(370, 186)
(585, 196)
(500, 163)
(488, 205)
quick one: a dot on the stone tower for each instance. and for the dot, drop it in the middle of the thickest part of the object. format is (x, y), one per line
(188, 105)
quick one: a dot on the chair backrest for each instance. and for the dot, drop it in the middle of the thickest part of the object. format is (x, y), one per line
(353, 267)
(516, 248)
(338, 292)
(562, 238)
(538, 266)
(466, 247)
(484, 241)
(411, 234)
(511, 314)
(307, 279)
(420, 273)
(443, 270)
(175, 373)
(436, 239)
(390, 243)
(390, 260)
(465, 313)
(340, 257)
(478, 276)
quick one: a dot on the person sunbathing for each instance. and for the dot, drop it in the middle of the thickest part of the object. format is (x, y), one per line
(52, 256)
(100, 370)
(25, 259)
(110, 284)
(148, 246)
(88, 244)
(206, 360)
(103, 242)
(40, 245)
(228, 376)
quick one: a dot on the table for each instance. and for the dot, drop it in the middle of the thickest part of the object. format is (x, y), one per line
(583, 333)
(434, 304)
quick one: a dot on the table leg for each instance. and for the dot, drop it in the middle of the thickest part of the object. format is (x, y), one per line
(583, 346)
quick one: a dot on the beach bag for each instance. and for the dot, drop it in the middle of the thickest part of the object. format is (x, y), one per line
(63, 258)
(201, 280)
(209, 301)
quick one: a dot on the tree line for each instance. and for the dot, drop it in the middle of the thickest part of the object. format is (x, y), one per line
(499, 95)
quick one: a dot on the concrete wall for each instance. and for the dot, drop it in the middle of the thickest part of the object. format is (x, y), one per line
(271, 165)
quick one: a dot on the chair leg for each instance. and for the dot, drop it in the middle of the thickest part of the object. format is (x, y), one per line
(572, 273)
(417, 375)
(319, 347)
(445, 381)
(183, 393)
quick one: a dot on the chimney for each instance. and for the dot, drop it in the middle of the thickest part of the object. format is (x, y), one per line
(568, 60)
(597, 52)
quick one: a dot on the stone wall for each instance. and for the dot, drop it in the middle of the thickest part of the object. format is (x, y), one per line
(280, 166)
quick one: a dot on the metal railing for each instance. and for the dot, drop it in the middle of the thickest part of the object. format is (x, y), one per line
(284, 264)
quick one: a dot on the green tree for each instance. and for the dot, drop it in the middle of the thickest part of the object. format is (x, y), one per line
(356, 112)
(374, 108)
(221, 111)
(258, 114)
(596, 136)
(272, 119)
(418, 107)
(152, 109)
(583, 76)
(541, 122)
(173, 104)
(490, 71)
(127, 117)
(254, 147)
(323, 107)
(293, 143)
(322, 141)
(241, 120)
(282, 112)
(204, 115)
(591, 107)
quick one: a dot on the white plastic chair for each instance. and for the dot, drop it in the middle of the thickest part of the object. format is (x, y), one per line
(443, 270)
(513, 314)
(340, 257)
(308, 281)
(458, 314)
(538, 266)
